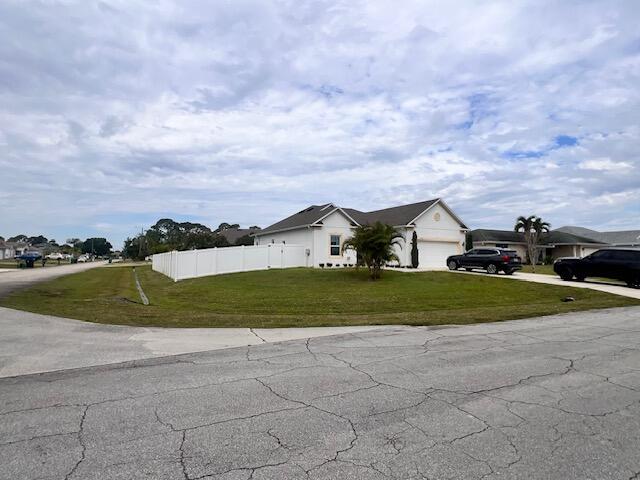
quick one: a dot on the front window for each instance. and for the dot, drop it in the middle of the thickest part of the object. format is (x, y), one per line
(335, 245)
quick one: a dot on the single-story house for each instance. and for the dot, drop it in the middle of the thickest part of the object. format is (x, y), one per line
(323, 229)
(620, 238)
(561, 242)
(10, 250)
(499, 238)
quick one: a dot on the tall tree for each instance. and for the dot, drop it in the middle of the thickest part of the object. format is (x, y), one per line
(18, 238)
(532, 227)
(135, 248)
(37, 240)
(375, 246)
(97, 246)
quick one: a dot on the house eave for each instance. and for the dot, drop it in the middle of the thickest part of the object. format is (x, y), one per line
(579, 244)
(297, 227)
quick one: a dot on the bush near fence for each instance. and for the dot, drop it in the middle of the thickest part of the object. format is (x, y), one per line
(216, 261)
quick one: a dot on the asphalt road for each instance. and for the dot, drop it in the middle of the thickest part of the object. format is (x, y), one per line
(551, 398)
(13, 280)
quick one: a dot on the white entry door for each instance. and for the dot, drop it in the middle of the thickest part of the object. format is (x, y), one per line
(434, 254)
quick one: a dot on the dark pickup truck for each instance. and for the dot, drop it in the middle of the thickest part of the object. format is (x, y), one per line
(618, 264)
(493, 260)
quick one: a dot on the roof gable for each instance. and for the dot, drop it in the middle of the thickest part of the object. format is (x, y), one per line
(303, 218)
(400, 215)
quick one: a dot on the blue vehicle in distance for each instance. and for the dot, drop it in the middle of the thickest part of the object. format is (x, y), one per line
(29, 258)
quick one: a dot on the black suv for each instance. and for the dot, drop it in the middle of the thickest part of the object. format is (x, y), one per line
(493, 260)
(619, 264)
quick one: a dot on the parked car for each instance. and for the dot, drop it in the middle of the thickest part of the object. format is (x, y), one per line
(493, 260)
(618, 264)
(84, 258)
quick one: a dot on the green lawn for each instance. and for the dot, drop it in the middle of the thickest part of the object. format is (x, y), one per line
(543, 269)
(300, 297)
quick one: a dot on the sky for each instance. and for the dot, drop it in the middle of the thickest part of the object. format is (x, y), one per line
(115, 114)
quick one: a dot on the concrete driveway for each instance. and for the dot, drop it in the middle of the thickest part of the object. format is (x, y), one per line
(549, 398)
(553, 280)
(16, 279)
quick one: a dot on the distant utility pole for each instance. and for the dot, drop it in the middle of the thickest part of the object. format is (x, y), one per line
(140, 242)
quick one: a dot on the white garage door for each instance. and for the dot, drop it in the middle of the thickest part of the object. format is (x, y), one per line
(434, 254)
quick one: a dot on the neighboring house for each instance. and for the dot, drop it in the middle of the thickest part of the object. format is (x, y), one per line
(499, 238)
(323, 229)
(561, 242)
(6, 251)
(233, 234)
(564, 244)
(621, 238)
(10, 250)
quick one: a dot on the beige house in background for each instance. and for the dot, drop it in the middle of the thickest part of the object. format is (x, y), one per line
(562, 242)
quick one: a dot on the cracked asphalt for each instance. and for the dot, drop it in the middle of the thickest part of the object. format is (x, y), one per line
(555, 397)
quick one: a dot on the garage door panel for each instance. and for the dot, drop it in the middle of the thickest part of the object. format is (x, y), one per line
(434, 254)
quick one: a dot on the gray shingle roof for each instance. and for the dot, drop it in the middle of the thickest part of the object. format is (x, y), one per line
(400, 215)
(556, 237)
(550, 238)
(500, 236)
(233, 234)
(308, 216)
(621, 237)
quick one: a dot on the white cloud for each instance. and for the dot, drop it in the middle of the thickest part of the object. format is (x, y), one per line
(604, 164)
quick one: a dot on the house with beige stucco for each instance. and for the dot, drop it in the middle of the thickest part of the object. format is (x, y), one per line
(561, 242)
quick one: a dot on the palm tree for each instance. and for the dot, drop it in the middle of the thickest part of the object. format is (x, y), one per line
(532, 227)
(375, 246)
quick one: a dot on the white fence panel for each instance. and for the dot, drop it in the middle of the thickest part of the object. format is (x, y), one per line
(275, 255)
(214, 261)
(187, 264)
(230, 260)
(295, 256)
(255, 258)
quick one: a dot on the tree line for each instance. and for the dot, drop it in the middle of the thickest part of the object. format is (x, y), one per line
(167, 235)
(72, 246)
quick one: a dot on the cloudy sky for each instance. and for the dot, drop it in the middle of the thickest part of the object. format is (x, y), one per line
(114, 114)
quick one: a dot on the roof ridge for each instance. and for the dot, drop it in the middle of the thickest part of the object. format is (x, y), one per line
(404, 206)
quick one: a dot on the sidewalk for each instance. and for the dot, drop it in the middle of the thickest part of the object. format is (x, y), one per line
(32, 343)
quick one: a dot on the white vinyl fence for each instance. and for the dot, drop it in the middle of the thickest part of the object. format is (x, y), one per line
(215, 261)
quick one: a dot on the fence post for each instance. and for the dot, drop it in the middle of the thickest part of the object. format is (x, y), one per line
(215, 260)
(196, 262)
(243, 259)
(174, 257)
